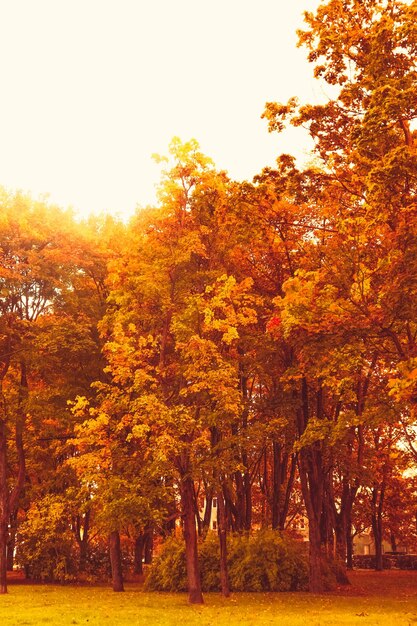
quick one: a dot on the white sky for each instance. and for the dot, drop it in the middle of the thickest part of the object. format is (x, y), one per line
(91, 88)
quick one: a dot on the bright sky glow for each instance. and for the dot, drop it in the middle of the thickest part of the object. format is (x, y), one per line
(91, 88)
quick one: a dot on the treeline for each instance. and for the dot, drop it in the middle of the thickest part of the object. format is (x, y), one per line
(252, 343)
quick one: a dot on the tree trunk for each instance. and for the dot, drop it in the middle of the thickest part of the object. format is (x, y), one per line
(312, 495)
(83, 556)
(277, 463)
(169, 524)
(143, 550)
(288, 492)
(341, 550)
(311, 472)
(379, 564)
(240, 507)
(148, 546)
(4, 508)
(282, 484)
(11, 544)
(349, 544)
(316, 572)
(8, 501)
(195, 595)
(12, 540)
(337, 518)
(340, 538)
(116, 561)
(377, 503)
(222, 531)
(248, 495)
(230, 510)
(81, 531)
(207, 510)
(377, 533)
(138, 554)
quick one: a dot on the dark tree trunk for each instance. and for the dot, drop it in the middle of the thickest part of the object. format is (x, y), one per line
(312, 486)
(379, 563)
(288, 491)
(138, 554)
(4, 493)
(377, 503)
(116, 561)
(148, 546)
(143, 550)
(207, 510)
(341, 551)
(377, 533)
(221, 511)
(248, 496)
(11, 544)
(327, 524)
(8, 501)
(195, 595)
(232, 512)
(222, 530)
(336, 532)
(349, 544)
(340, 538)
(240, 509)
(83, 556)
(282, 484)
(343, 526)
(168, 525)
(316, 570)
(393, 542)
(277, 463)
(82, 529)
(312, 494)
(198, 519)
(4, 508)
(12, 540)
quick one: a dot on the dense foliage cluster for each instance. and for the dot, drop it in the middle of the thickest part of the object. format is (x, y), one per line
(247, 345)
(265, 561)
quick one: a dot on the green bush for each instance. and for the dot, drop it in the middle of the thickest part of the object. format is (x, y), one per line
(97, 563)
(46, 546)
(262, 561)
(209, 558)
(168, 570)
(267, 561)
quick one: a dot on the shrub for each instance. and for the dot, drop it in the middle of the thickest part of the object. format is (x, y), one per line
(209, 558)
(168, 570)
(389, 561)
(263, 561)
(46, 545)
(267, 561)
(97, 563)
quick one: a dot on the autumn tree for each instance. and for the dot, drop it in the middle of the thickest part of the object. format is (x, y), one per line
(31, 279)
(148, 345)
(360, 288)
(52, 277)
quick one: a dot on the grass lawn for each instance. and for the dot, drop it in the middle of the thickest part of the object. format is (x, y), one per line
(386, 598)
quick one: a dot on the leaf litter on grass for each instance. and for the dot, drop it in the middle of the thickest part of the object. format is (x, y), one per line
(396, 603)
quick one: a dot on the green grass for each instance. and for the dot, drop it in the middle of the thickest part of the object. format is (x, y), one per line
(387, 599)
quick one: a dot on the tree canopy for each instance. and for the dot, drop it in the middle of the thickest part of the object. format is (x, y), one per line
(248, 348)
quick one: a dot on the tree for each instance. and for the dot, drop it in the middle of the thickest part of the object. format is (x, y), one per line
(52, 280)
(116, 470)
(34, 269)
(150, 288)
(357, 290)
